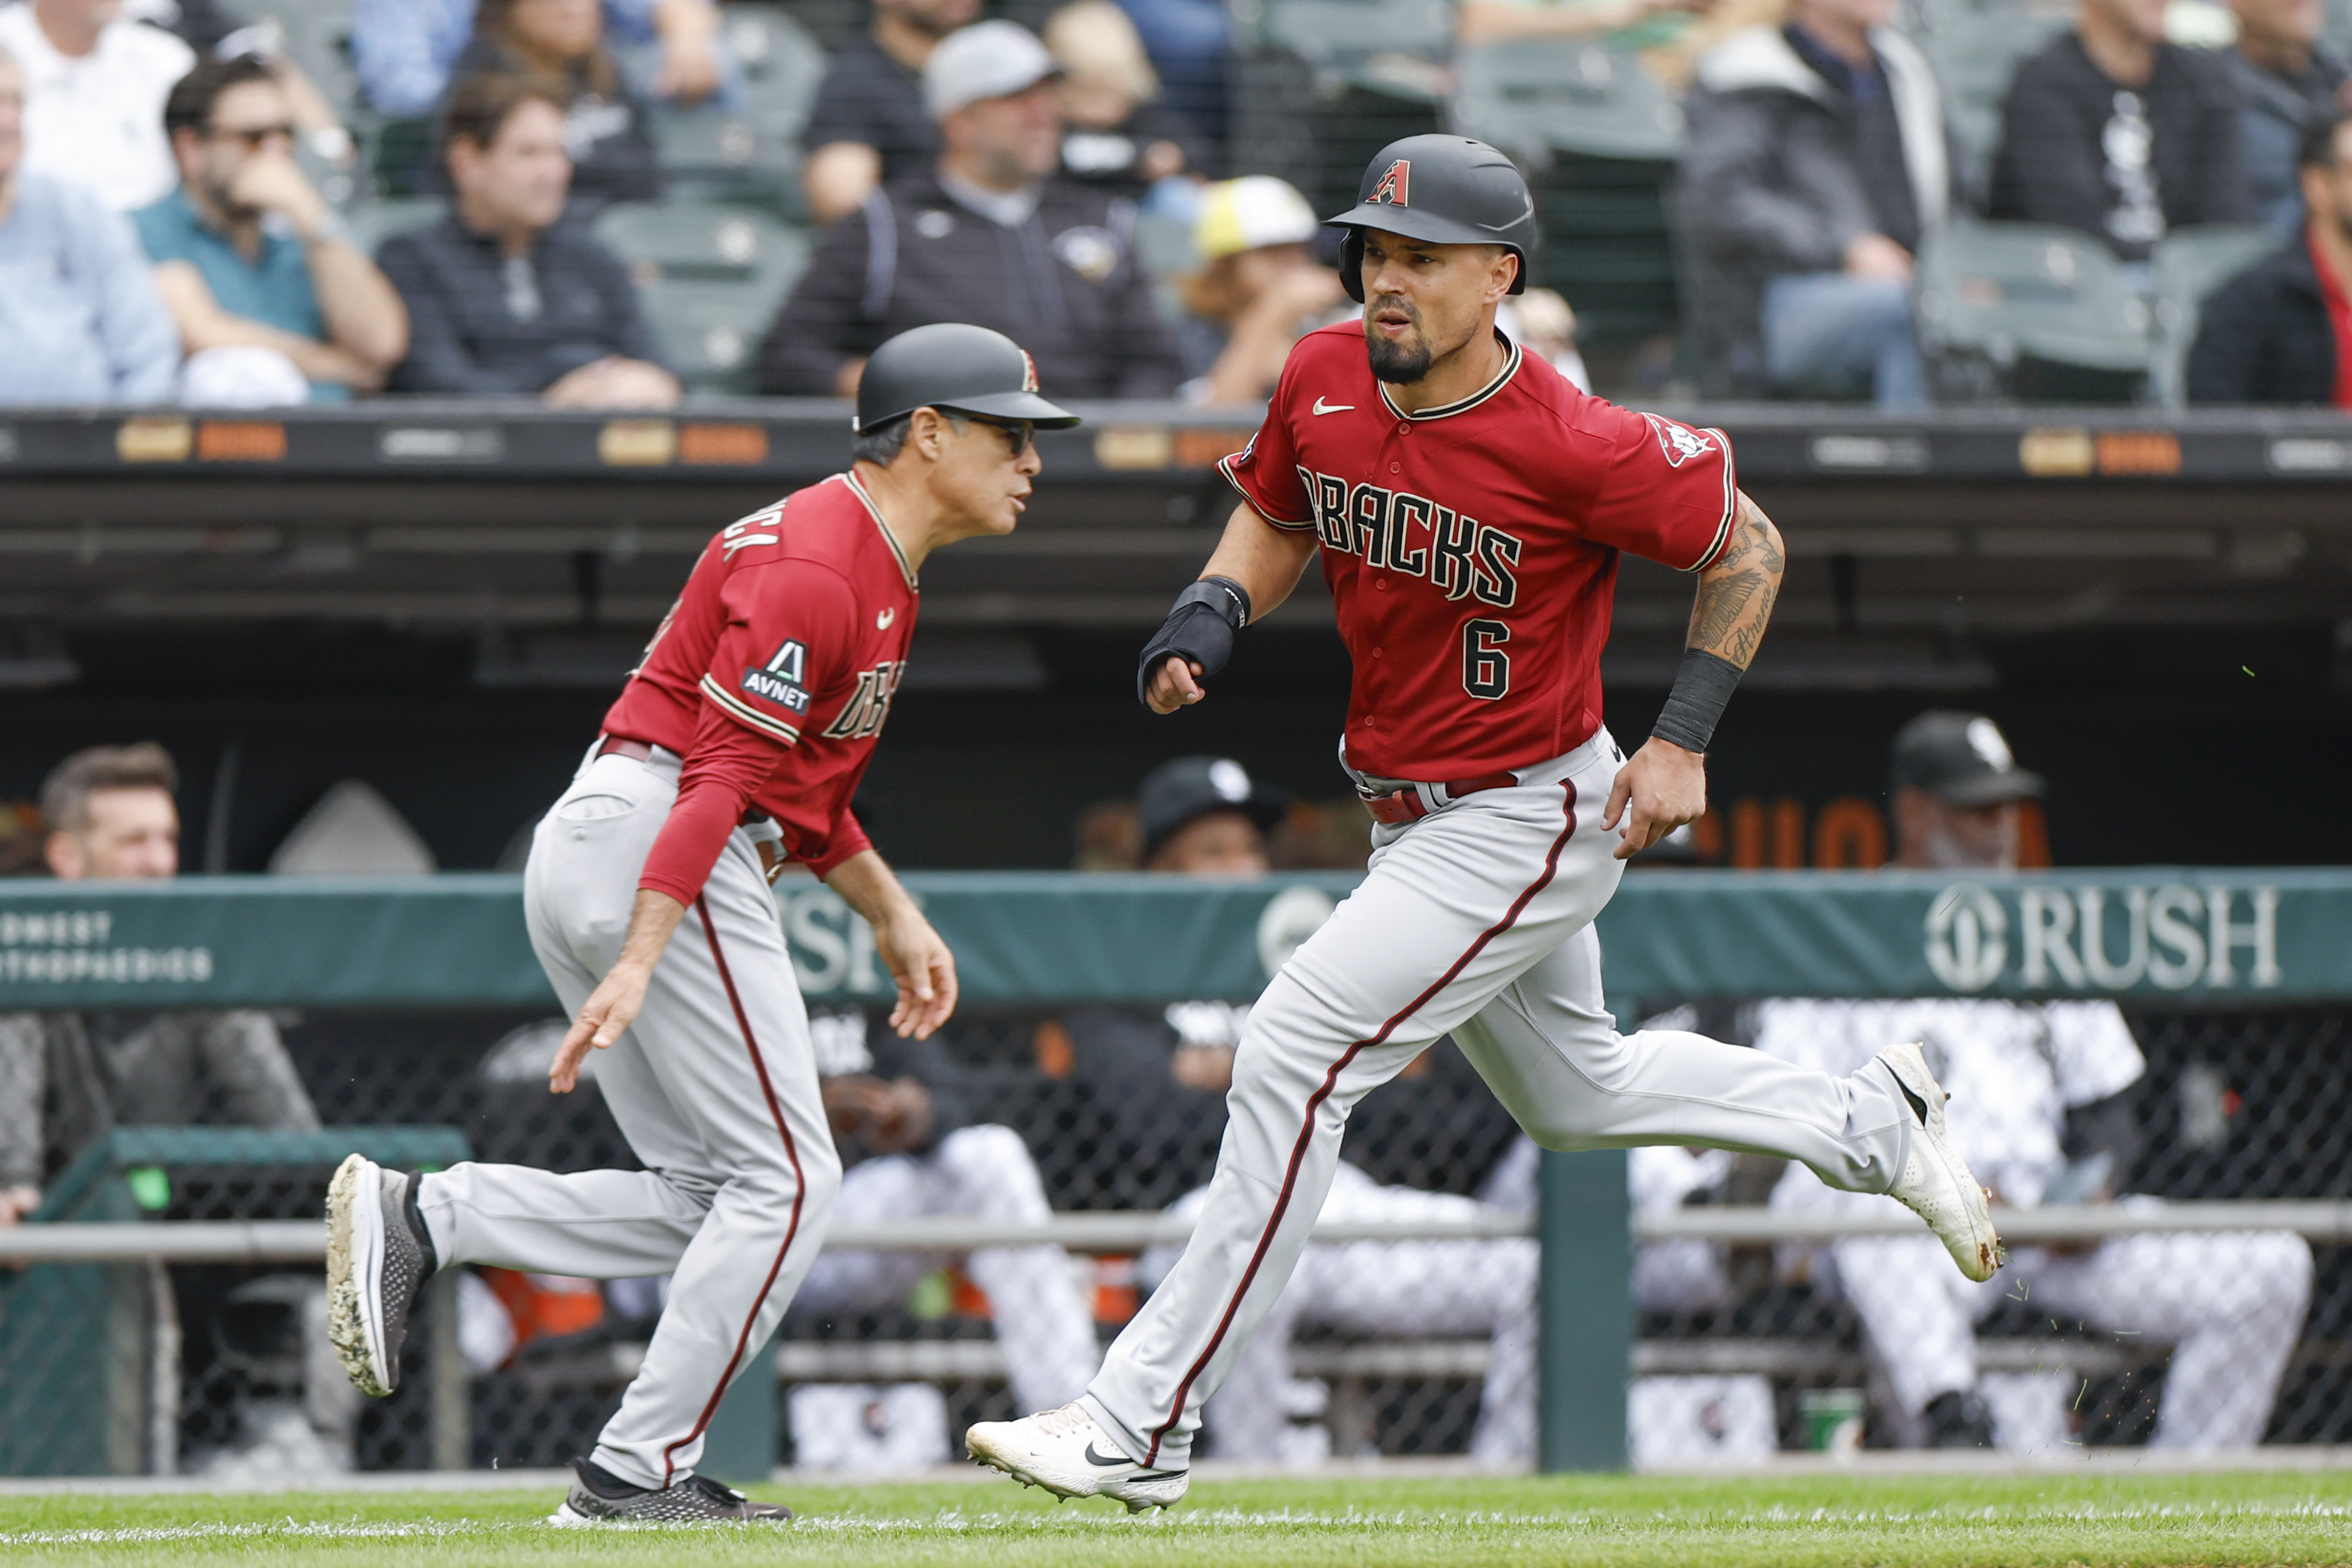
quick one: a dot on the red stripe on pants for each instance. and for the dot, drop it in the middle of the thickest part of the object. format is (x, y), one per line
(1330, 1082)
(799, 1191)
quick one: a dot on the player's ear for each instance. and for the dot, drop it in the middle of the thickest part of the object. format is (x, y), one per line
(926, 432)
(1506, 272)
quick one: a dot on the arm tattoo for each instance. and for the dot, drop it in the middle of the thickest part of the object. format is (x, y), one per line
(1735, 594)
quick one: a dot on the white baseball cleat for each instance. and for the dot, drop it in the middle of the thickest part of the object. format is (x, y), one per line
(1936, 1184)
(1068, 1453)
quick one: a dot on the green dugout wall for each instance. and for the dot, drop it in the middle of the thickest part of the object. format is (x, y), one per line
(2227, 937)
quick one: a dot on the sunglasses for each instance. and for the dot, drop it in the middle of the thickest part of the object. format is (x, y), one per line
(255, 138)
(1018, 434)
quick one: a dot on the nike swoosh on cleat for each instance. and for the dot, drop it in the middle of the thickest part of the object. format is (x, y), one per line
(1322, 407)
(1142, 1475)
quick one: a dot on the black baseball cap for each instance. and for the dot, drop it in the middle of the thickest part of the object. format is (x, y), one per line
(957, 368)
(1179, 792)
(1962, 759)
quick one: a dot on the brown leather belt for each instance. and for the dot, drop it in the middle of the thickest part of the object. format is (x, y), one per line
(1401, 806)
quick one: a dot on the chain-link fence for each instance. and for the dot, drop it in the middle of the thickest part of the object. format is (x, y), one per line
(1400, 1347)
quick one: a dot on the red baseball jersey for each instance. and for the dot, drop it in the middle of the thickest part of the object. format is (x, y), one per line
(1472, 549)
(795, 624)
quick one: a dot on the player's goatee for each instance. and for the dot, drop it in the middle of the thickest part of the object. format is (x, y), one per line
(1395, 363)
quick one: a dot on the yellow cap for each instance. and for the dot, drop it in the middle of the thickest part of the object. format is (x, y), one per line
(1248, 213)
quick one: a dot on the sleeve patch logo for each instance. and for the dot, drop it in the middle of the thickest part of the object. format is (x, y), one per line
(1679, 444)
(781, 680)
(1394, 185)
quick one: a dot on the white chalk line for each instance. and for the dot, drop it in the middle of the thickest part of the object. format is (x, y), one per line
(955, 1521)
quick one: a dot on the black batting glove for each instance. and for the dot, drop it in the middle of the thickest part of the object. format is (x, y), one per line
(1198, 629)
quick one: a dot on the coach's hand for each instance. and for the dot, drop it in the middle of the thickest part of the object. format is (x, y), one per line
(611, 1008)
(1662, 788)
(923, 967)
(613, 1005)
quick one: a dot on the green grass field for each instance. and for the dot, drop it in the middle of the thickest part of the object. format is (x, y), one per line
(2088, 1520)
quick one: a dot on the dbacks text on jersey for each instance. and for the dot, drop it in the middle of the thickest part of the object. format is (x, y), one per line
(868, 706)
(1403, 532)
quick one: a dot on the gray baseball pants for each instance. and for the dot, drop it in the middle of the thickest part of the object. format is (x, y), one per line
(715, 1087)
(1474, 921)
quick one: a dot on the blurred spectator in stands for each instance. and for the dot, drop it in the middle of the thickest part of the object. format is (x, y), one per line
(2115, 131)
(896, 1103)
(67, 1078)
(1258, 289)
(991, 235)
(95, 82)
(80, 318)
(1115, 134)
(269, 293)
(2043, 1109)
(505, 298)
(1816, 164)
(1541, 320)
(1188, 42)
(405, 50)
(870, 127)
(560, 44)
(209, 29)
(2288, 81)
(2281, 331)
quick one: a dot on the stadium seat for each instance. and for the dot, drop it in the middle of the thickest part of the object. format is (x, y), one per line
(373, 223)
(1991, 295)
(781, 65)
(711, 275)
(1533, 99)
(1974, 53)
(711, 156)
(1393, 46)
(2186, 266)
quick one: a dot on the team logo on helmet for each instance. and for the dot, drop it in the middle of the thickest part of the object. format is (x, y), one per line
(1679, 445)
(1028, 372)
(1394, 185)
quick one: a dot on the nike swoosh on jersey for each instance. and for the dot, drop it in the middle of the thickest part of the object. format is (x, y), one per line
(882, 621)
(1322, 407)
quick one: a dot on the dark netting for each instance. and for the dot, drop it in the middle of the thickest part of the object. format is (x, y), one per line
(209, 1368)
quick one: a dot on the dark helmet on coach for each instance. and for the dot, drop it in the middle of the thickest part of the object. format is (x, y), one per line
(957, 369)
(1447, 190)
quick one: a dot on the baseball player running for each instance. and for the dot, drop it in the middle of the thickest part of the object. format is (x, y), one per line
(736, 745)
(1470, 505)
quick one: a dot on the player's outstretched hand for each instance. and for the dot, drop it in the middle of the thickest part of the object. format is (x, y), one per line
(1659, 791)
(925, 970)
(611, 1008)
(1176, 684)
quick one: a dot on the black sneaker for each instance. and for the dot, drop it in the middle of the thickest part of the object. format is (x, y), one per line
(1958, 1420)
(600, 1496)
(377, 1254)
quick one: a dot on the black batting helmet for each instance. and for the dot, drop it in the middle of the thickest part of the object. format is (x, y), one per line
(1448, 190)
(958, 369)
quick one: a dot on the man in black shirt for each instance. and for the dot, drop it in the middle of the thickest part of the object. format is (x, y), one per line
(2114, 131)
(503, 296)
(2281, 331)
(2287, 81)
(1816, 164)
(990, 235)
(870, 127)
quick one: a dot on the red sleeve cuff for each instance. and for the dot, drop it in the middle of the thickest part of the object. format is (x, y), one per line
(726, 763)
(848, 838)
